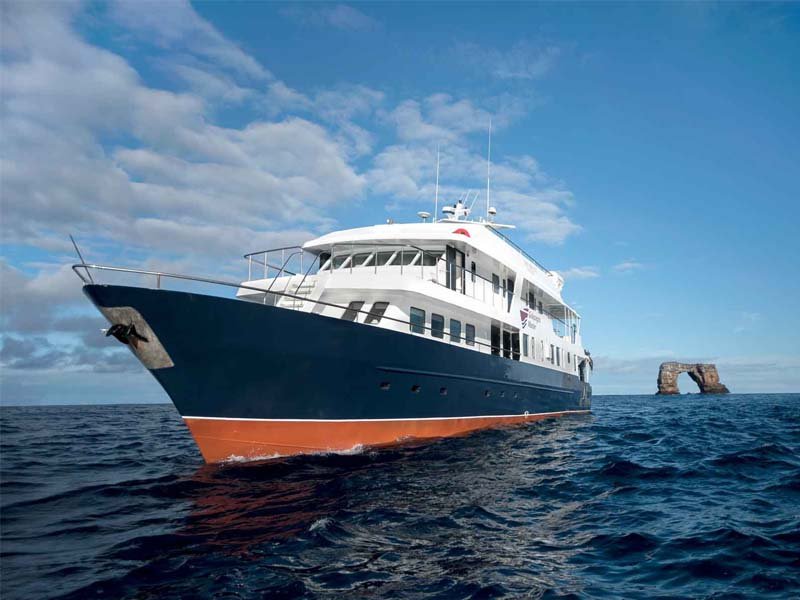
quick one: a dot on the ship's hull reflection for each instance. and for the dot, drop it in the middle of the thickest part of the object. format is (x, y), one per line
(493, 498)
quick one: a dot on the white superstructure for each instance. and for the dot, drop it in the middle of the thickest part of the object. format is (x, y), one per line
(454, 280)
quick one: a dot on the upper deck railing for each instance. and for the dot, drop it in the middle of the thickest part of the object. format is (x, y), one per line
(516, 247)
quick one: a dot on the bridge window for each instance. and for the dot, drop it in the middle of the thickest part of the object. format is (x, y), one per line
(417, 320)
(359, 260)
(495, 283)
(351, 312)
(338, 261)
(406, 257)
(376, 312)
(382, 258)
(455, 331)
(470, 334)
(429, 259)
(437, 325)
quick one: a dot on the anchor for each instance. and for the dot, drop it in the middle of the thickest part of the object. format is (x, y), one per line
(126, 334)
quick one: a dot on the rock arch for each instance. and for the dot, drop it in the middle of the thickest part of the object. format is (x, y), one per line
(704, 375)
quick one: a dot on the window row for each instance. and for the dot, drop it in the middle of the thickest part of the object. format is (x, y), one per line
(417, 325)
(383, 258)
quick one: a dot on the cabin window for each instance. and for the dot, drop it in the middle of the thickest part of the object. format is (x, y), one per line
(381, 258)
(552, 353)
(437, 325)
(339, 260)
(455, 331)
(470, 334)
(495, 340)
(429, 259)
(510, 291)
(417, 320)
(406, 257)
(495, 283)
(515, 345)
(525, 344)
(558, 357)
(533, 348)
(569, 358)
(506, 344)
(473, 270)
(323, 258)
(360, 259)
(351, 312)
(376, 312)
(540, 307)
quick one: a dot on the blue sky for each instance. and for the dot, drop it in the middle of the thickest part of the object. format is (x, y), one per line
(648, 151)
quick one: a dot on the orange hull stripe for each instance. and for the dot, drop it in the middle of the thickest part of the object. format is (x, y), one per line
(221, 439)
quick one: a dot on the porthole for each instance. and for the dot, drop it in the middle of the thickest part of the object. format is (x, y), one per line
(502, 393)
(443, 391)
(487, 393)
(385, 385)
(415, 389)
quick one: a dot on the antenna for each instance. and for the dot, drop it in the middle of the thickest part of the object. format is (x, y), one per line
(488, 167)
(80, 256)
(436, 201)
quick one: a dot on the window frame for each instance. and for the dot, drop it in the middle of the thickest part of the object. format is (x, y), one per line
(414, 325)
(470, 340)
(437, 332)
(458, 338)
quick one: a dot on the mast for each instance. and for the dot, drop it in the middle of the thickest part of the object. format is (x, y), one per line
(488, 168)
(436, 201)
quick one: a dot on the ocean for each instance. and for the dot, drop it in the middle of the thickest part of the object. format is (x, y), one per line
(648, 497)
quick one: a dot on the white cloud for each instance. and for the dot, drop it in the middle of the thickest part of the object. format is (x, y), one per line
(628, 266)
(581, 273)
(175, 25)
(746, 320)
(63, 98)
(522, 61)
(339, 16)
(521, 191)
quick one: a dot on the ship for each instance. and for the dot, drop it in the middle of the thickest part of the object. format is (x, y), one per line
(360, 338)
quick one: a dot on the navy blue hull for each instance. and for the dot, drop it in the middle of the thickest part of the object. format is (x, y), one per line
(237, 359)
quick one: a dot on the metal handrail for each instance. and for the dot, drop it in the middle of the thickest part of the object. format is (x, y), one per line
(295, 247)
(283, 266)
(159, 274)
(519, 249)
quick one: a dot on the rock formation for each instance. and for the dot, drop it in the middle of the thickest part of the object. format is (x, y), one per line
(705, 376)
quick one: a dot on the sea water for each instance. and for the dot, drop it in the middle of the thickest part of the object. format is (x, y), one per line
(647, 497)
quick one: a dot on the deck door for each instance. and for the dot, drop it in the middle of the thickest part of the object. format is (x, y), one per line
(455, 269)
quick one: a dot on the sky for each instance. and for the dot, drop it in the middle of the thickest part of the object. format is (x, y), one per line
(649, 152)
